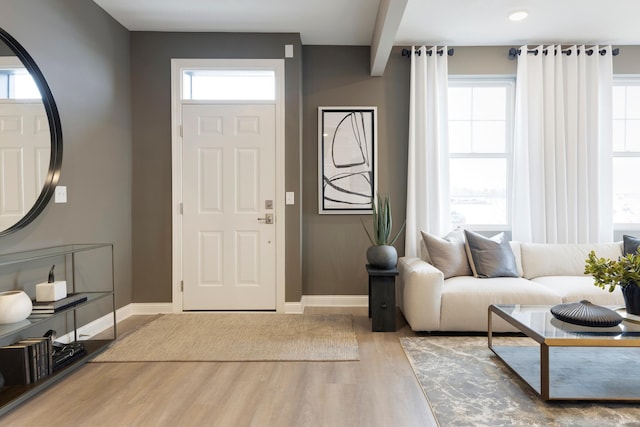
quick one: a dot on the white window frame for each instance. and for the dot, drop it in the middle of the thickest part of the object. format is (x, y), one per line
(626, 80)
(509, 82)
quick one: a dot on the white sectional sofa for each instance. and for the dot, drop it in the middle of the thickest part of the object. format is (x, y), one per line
(546, 274)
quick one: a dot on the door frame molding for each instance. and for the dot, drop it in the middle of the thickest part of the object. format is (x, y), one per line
(177, 67)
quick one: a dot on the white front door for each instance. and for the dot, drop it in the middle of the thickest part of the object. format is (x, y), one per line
(229, 188)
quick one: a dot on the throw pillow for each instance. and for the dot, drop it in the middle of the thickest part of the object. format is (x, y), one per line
(448, 254)
(630, 244)
(490, 256)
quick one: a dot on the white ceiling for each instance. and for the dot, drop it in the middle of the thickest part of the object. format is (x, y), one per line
(352, 22)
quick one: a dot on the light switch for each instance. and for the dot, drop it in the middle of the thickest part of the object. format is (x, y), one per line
(289, 198)
(288, 51)
(61, 194)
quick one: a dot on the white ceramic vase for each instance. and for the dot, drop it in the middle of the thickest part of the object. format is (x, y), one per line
(15, 306)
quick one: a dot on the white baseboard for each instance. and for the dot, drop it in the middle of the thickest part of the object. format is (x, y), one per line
(106, 321)
(326, 301)
(335, 301)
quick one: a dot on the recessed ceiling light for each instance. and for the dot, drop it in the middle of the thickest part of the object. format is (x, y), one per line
(518, 15)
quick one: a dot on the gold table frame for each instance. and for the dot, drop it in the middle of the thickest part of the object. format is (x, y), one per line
(562, 347)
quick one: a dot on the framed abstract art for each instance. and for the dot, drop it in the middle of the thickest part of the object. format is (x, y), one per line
(347, 159)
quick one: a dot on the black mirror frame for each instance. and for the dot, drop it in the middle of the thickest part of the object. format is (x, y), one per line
(55, 130)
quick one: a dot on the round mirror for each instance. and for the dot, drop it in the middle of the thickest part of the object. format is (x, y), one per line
(30, 138)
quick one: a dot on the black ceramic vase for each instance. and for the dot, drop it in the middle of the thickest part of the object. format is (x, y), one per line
(384, 257)
(631, 293)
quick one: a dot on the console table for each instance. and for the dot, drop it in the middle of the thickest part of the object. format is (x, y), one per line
(382, 299)
(79, 262)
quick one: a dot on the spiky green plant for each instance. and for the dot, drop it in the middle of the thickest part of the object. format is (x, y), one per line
(382, 223)
(606, 272)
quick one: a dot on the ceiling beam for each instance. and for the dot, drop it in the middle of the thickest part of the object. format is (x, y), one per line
(390, 14)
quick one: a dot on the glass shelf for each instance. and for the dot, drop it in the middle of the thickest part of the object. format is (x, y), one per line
(12, 328)
(43, 253)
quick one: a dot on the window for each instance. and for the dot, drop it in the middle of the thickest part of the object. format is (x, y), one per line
(17, 83)
(480, 141)
(229, 85)
(626, 152)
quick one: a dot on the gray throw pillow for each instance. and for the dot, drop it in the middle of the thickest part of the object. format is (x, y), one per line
(448, 254)
(490, 256)
(630, 244)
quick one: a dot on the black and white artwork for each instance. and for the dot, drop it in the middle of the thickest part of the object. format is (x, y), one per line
(346, 159)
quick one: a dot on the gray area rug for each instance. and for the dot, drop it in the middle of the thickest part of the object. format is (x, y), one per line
(218, 337)
(467, 385)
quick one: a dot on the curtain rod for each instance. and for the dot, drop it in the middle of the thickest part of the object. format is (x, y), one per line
(407, 52)
(513, 52)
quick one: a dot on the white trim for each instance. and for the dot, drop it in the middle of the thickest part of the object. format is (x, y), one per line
(293, 307)
(326, 301)
(335, 300)
(177, 65)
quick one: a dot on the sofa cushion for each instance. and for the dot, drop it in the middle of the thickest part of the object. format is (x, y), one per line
(630, 244)
(578, 288)
(466, 300)
(490, 256)
(515, 247)
(448, 254)
(545, 259)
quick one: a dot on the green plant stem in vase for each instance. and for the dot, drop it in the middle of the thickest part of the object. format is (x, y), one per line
(382, 254)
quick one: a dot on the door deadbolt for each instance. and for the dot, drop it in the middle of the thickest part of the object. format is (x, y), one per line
(268, 218)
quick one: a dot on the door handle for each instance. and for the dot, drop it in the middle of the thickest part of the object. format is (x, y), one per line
(268, 218)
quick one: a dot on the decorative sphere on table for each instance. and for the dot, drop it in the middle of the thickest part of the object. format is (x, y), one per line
(15, 306)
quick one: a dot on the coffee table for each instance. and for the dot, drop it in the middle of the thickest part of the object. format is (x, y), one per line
(562, 361)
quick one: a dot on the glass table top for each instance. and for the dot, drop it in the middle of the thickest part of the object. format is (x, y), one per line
(539, 320)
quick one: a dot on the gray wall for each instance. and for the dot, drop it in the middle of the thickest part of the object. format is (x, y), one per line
(84, 55)
(334, 246)
(151, 55)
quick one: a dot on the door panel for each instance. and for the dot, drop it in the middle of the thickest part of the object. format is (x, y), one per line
(228, 175)
(24, 158)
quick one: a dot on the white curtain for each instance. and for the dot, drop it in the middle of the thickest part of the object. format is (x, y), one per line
(427, 168)
(562, 146)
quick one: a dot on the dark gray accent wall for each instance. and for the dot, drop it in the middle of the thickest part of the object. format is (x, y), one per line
(334, 246)
(151, 54)
(84, 56)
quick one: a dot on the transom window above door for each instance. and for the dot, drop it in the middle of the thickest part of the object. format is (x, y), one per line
(229, 85)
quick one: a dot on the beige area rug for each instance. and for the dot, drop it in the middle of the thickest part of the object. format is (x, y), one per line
(467, 385)
(221, 337)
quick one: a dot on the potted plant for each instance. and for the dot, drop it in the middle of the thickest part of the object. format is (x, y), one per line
(382, 254)
(623, 272)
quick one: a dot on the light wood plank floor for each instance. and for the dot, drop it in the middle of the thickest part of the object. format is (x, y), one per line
(378, 390)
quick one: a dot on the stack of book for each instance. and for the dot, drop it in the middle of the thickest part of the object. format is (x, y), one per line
(47, 308)
(26, 361)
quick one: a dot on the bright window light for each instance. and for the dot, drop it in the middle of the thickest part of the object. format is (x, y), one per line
(480, 112)
(229, 85)
(18, 84)
(626, 153)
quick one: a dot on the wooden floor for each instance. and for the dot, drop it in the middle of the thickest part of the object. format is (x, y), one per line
(378, 390)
